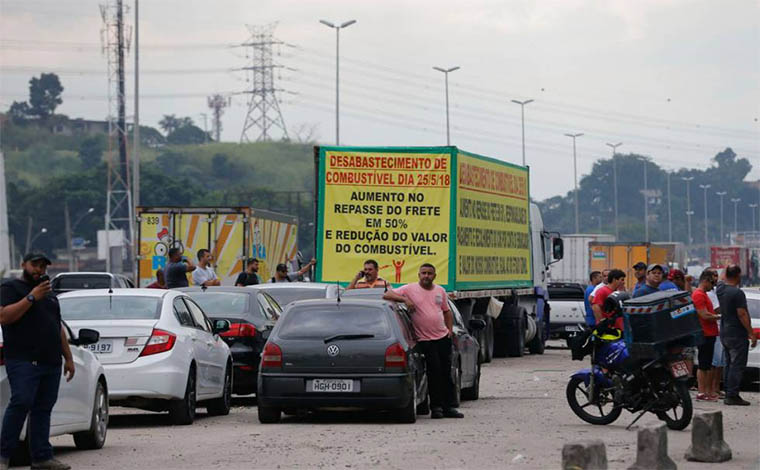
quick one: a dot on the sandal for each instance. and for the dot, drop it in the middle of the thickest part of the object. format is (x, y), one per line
(705, 397)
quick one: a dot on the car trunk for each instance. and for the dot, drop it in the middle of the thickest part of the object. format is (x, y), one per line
(349, 356)
(121, 341)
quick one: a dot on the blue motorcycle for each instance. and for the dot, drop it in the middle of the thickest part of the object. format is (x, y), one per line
(618, 381)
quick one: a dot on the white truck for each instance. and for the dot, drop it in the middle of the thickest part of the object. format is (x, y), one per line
(574, 266)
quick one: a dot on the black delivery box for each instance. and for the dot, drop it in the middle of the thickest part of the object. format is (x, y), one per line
(656, 320)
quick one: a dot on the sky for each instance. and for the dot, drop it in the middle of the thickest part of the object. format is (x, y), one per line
(675, 80)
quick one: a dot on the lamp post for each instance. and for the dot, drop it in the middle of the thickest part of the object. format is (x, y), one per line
(446, 80)
(43, 230)
(670, 218)
(522, 114)
(753, 207)
(689, 213)
(705, 187)
(721, 194)
(70, 228)
(575, 180)
(736, 202)
(614, 183)
(337, 71)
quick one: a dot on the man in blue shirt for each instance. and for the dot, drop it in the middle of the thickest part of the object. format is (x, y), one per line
(595, 277)
(654, 278)
(640, 271)
(666, 283)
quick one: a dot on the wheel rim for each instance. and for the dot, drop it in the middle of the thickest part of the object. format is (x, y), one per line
(227, 389)
(101, 416)
(597, 409)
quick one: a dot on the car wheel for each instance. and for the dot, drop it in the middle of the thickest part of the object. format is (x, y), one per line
(424, 407)
(95, 437)
(408, 414)
(473, 393)
(268, 414)
(182, 411)
(457, 385)
(221, 406)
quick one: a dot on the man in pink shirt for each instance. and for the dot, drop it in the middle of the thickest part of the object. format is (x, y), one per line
(433, 324)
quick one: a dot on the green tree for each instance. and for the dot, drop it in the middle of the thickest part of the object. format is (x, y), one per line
(19, 112)
(91, 151)
(45, 95)
(187, 134)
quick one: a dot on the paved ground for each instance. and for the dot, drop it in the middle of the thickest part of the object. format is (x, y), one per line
(521, 421)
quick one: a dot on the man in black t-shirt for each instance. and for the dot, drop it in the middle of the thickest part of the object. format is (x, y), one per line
(735, 333)
(250, 276)
(176, 269)
(33, 344)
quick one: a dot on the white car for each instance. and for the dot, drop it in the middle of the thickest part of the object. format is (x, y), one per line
(82, 406)
(753, 305)
(286, 292)
(159, 350)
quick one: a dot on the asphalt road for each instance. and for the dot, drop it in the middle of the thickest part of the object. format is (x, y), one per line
(521, 421)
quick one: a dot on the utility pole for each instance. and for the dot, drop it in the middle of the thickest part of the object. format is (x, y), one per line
(337, 28)
(705, 187)
(575, 181)
(752, 208)
(614, 183)
(689, 212)
(217, 103)
(646, 204)
(67, 224)
(721, 194)
(263, 102)
(135, 145)
(670, 217)
(6, 253)
(446, 80)
(205, 127)
(736, 202)
(522, 118)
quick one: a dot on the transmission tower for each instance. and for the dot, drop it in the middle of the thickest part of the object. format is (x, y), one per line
(263, 107)
(115, 41)
(217, 103)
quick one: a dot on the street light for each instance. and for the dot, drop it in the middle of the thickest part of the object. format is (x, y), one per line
(753, 207)
(522, 114)
(74, 263)
(575, 179)
(614, 183)
(43, 230)
(705, 187)
(337, 72)
(446, 79)
(721, 194)
(736, 202)
(689, 212)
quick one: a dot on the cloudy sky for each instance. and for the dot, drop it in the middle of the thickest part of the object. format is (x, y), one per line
(673, 79)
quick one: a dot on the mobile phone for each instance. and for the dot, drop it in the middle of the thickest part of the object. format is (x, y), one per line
(362, 274)
(44, 278)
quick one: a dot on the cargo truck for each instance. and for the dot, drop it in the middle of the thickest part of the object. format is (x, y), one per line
(722, 256)
(468, 215)
(623, 255)
(574, 265)
(232, 234)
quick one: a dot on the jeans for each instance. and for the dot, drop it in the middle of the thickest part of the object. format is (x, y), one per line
(438, 363)
(34, 391)
(735, 352)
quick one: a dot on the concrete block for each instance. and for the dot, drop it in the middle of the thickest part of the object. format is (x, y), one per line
(652, 450)
(707, 444)
(584, 455)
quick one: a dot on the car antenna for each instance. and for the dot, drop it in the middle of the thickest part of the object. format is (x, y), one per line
(338, 283)
(204, 287)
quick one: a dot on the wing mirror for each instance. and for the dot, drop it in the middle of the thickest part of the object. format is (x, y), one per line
(87, 336)
(221, 326)
(558, 249)
(477, 324)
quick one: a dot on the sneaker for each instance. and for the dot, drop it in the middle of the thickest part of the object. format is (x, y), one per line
(52, 464)
(721, 394)
(452, 413)
(736, 401)
(706, 397)
(436, 413)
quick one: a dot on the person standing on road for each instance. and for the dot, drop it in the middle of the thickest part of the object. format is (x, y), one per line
(433, 325)
(281, 272)
(371, 279)
(709, 321)
(654, 278)
(667, 283)
(250, 276)
(735, 329)
(204, 274)
(177, 268)
(605, 273)
(640, 271)
(160, 282)
(615, 282)
(34, 342)
(718, 361)
(596, 278)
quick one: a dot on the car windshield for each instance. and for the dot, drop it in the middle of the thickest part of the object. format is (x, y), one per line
(326, 321)
(82, 282)
(110, 307)
(217, 304)
(754, 308)
(284, 295)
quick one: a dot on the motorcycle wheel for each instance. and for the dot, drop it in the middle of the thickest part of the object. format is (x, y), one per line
(674, 420)
(584, 407)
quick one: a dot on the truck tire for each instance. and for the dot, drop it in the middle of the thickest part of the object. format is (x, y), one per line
(536, 345)
(514, 337)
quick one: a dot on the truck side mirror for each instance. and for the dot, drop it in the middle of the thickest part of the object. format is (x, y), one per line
(558, 249)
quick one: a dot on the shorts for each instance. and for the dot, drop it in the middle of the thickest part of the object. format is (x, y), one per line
(705, 353)
(718, 359)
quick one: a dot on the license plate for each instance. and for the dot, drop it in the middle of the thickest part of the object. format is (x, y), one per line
(331, 385)
(572, 328)
(679, 369)
(101, 347)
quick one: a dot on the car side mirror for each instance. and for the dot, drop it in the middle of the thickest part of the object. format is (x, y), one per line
(558, 249)
(477, 324)
(221, 326)
(87, 336)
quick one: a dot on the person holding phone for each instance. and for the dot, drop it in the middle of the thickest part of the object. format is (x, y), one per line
(34, 346)
(369, 273)
(176, 269)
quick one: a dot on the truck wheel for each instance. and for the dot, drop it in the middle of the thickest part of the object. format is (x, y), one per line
(515, 335)
(536, 345)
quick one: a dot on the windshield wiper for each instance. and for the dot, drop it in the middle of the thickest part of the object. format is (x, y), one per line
(330, 339)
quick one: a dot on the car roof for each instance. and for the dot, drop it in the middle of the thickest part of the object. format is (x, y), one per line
(239, 290)
(335, 302)
(85, 273)
(285, 285)
(126, 292)
(373, 292)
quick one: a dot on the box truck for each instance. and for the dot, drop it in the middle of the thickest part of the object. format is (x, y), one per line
(574, 265)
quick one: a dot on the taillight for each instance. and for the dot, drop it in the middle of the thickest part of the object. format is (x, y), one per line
(395, 356)
(160, 341)
(240, 329)
(271, 357)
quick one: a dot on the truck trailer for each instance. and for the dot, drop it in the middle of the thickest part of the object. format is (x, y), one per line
(468, 215)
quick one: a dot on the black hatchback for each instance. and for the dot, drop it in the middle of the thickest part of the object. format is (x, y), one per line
(252, 313)
(346, 354)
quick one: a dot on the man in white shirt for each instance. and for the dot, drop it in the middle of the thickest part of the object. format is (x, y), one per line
(204, 274)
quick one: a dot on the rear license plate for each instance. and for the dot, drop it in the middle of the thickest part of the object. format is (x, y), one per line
(679, 369)
(330, 385)
(572, 328)
(101, 347)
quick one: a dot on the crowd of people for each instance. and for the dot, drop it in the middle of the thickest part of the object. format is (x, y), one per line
(723, 314)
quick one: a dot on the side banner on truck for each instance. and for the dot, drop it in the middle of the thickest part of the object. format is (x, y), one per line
(390, 205)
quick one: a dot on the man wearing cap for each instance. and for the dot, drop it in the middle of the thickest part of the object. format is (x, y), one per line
(667, 283)
(654, 278)
(281, 272)
(34, 343)
(250, 276)
(640, 271)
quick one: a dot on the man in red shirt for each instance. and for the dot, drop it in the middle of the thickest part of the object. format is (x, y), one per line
(160, 282)
(615, 282)
(709, 321)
